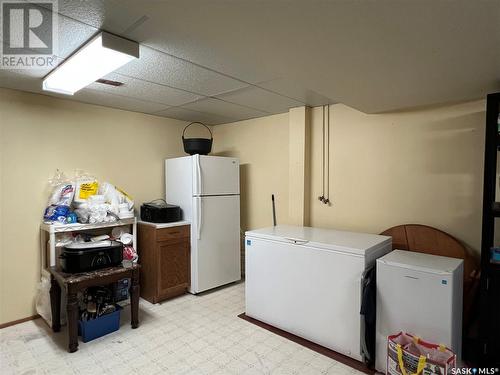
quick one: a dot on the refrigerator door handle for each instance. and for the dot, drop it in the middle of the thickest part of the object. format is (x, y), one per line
(198, 217)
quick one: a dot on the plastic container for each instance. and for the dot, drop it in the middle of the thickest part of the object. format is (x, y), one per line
(95, 328)
(126, 215)
(118, 231)
(96, 199)
(120, 289)
(495, 255)
(123, 207)
(126, 238)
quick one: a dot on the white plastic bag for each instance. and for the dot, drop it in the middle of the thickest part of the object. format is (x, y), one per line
(62, 195)
(63, 191)
(42, 302)
(115, 197)
(111, 197)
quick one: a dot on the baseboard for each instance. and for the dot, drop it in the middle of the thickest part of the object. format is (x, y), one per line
(19, 321)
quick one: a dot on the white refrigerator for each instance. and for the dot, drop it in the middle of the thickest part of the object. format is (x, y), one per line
(207, 188)
(420, 294)
(308, 281)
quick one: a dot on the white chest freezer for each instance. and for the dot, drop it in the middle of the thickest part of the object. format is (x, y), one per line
(420, 294)
(307, 281)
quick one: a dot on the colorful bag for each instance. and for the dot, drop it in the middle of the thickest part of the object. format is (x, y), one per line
(409, 355)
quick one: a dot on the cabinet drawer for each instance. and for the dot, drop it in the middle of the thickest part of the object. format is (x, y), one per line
(174, 233)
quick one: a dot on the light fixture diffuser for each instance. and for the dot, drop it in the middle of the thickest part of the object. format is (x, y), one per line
(101, 55)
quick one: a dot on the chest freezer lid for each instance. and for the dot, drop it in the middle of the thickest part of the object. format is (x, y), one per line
(421, 262)
(327, 239)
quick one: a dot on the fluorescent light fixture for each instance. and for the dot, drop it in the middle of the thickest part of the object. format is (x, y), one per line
(101, 55)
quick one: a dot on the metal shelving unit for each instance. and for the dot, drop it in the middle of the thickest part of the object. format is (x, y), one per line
(48, 233)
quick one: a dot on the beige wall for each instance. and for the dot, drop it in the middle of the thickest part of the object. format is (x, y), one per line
(299, 125)
(39, 134)
(262, 147)
(419, 166)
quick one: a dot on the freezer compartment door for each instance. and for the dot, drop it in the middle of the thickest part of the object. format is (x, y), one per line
(178, 183)
(216, 238)
(214, 175)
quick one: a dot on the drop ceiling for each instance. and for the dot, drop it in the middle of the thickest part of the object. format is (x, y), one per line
(222, 61)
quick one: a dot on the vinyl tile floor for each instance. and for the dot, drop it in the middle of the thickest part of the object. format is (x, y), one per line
(186, 335)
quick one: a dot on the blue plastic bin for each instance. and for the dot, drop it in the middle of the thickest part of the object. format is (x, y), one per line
(495, 255)
(92, 329)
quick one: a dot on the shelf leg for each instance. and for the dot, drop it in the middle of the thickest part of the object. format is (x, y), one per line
(134, 299)
(72, 310)
(52, 245)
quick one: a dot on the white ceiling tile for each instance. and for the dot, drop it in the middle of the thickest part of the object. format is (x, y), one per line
(14, 80)
(182, 42)
(114, 101)
(374, 57)
(135, 88)
(226, 109)
(158, 67)
(71, 35)
(263, 100)
(109, 15)
(295, 90)
(90, 11)
(180, 113)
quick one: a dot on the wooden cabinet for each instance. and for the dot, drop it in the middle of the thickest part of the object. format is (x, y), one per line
(172, 268)
(164, 254)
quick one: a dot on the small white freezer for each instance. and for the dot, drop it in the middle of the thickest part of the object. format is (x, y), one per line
(420, 294)
(307, 281)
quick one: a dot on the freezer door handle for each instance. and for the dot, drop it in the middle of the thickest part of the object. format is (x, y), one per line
(198, 217)
(412, 277)
(297, 241)
(198, 173)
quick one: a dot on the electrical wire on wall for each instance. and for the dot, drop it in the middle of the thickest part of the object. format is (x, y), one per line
(321, 198)
(325, 162)
(327, 199)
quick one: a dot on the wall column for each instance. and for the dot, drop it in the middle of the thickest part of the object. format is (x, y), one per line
(298, 175)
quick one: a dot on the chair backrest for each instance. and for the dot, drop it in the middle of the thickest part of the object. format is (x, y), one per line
(424, 239)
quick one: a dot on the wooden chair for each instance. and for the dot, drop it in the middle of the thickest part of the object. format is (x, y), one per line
(424, 239)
